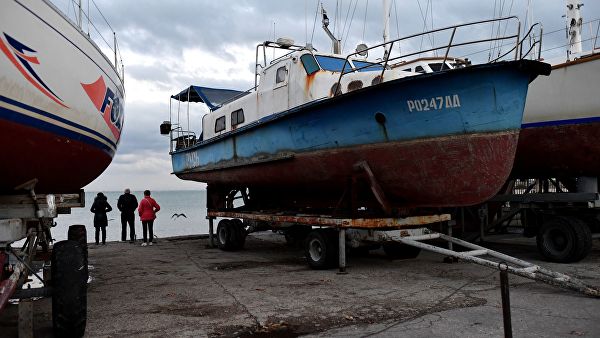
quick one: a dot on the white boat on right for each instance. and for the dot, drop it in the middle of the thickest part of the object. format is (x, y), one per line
(561, 123)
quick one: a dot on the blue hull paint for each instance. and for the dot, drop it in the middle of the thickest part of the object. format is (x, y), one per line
(491, 98)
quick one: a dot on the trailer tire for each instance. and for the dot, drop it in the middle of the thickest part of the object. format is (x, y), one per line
(321, 249)
(395, 250)
(78, 233)
(226, 235)
(69, 290)
(583, 235)
(562, 239)
(239, 233)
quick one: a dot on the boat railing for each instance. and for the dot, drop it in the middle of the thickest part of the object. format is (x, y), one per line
(181, 138)
(529, 37)
(452, 43)
(289, 48)
(98, 31)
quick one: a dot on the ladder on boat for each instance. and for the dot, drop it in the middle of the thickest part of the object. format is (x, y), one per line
(476, 255)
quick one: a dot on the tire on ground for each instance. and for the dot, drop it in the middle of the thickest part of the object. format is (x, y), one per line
(225, 235)
(78, 233)
(239, 232)
(69, 289)
(395, 250)
(583, 236)
(321, 249)
(564, 239)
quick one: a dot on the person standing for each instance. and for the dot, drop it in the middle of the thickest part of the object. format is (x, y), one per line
(127, 204)
(100, 207)
(147, 211)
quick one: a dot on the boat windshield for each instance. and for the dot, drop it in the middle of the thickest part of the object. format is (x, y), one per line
(331, 63)
(368, 66)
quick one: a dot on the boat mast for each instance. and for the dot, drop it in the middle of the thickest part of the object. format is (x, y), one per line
(80, 16)
(574, 26)
(337, 44)
(386, 27)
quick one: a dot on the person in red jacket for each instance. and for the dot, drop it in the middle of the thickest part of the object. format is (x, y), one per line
(147, 211)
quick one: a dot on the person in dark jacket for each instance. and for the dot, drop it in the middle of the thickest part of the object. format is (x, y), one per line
(100, 207)
(127, 204)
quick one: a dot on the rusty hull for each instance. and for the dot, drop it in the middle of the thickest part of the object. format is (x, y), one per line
(559, 151)
(481, 162)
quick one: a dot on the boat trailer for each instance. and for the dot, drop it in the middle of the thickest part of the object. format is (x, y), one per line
(64, 276)
(326, 237)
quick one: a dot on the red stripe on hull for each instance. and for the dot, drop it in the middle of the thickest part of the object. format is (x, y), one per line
(448, 171)
(60, 164)
(559, 151)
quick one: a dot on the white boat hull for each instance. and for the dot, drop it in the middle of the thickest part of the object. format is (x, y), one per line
(561, 123)
(61, 100)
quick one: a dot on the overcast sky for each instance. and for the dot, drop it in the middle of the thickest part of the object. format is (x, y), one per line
(168, 45)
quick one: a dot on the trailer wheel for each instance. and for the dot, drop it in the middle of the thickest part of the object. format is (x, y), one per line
(225, 235)
(564, 240)
(69, 290)
(583, 236)
(396, 250)
(321, 250)
(78, 233)
(239, 233)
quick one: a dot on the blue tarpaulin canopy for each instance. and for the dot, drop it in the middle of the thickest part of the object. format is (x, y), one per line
(212, 97)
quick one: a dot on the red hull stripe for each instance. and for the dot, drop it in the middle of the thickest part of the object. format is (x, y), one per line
(5, 113)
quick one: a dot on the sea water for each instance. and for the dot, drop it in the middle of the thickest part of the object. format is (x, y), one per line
(191, 203)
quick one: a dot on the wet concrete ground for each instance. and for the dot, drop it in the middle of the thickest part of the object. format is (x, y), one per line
(182, 288)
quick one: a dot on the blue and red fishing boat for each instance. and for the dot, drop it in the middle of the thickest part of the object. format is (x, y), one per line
(296, 139)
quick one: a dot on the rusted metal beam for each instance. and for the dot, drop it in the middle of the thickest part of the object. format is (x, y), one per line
(363, 166)
(324, 220)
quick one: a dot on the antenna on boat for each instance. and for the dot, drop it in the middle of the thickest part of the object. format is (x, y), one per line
(386, 27)
(575, 24)
(337, 44)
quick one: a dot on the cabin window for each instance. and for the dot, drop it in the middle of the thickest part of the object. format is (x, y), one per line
(280, 75)
(310, 64)
(220, 124)
(436, 67)
(332, 64)
(237, 117)
(419, 69)
(363, 66)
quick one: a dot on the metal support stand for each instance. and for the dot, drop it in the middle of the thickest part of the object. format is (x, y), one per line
(342, 251)
(483, 213)
(504, 291)
(211, 231)
(26, 318)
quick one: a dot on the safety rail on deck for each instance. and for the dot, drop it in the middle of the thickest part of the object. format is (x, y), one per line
(532, 42)
(446, 47)
(77, 12)
(181, 139)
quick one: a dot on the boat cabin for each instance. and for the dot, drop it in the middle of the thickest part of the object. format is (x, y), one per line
(296, 78)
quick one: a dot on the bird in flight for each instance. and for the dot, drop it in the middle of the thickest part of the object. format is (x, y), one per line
(178, 215)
